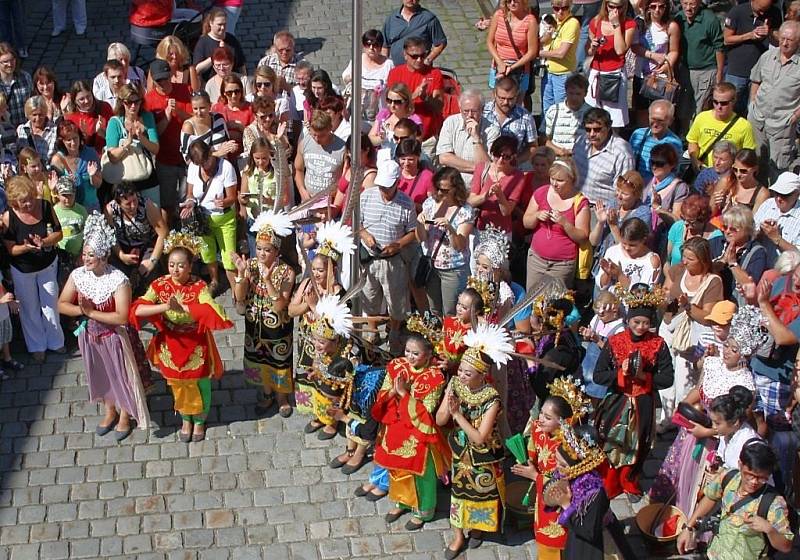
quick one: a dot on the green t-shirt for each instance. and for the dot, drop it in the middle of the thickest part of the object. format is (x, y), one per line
(72, 221)
(700, 40)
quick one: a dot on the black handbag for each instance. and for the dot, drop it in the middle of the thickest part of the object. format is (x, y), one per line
(425, 267)
(608, 86)
(199, 223)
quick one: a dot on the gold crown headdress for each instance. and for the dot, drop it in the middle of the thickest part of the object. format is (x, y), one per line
(487, 290)
(185, 240)
(272, 226)
(487, 340)
(333, 319)
(640, 295)
(581, 448)
(335, 240)
(550, 315)
(493, 243)
(428, 326)
(569, 389)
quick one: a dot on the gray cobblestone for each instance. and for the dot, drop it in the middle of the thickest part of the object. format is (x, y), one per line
(54, 551)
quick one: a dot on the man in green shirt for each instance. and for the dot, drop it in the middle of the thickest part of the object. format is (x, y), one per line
(72, 217)
(702, 58)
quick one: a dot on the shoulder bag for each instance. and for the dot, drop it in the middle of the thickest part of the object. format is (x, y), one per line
(425, 267)
(690, 173)
(199, 222)
(136, 166)
(661, 86)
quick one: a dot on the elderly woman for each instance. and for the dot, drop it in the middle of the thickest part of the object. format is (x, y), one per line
(375, 67)
(692, 289)
(45, 84)
(207, 127)
(174, 52)
(211, 185)
(39, 132)
(15, 83)
(694, 222)
(89, 114)
(743, 259)
(513, 43)
(32, 231)
(131, 126)
(131, 74)
(102, 295)
(399, 105)
(79, 162)
(443, 229)
(263, 291)
(722, 155)
(140, 231)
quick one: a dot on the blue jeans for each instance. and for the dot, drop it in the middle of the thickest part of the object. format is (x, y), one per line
(589, 11)
(12, 23)
(742, 93)
(553, 90)
(233, 13)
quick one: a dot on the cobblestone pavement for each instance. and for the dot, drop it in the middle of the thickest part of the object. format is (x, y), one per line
(256, 488)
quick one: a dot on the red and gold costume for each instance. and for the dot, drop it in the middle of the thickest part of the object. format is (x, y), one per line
(452, 346)
(184, 347)
(411, 446)
(549, 535)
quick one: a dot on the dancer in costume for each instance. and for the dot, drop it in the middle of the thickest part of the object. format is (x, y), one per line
(583, 500)
(681, 475)
(566, 403)
(491, 265)
(469, 311)
(184, 313)
(335, 241)
(633, 364)
(410, 445)
(102, 294)
(262, 292)
(473, 405)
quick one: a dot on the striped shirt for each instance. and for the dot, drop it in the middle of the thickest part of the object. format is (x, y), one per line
(217, 134)
(388, 221)
(562, 125)
(789, 225)
(598, 171)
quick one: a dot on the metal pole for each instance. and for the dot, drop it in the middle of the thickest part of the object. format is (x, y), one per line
(355, 147)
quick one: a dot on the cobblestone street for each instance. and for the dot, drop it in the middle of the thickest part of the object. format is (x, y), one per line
(256, 488)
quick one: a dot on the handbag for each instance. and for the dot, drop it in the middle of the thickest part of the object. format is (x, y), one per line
(661, 86)
(607, 87)
(425, 267)
(682, 323)
(199, 223)
(136, 166)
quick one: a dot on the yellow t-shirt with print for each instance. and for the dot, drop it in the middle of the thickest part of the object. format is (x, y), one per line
(706, 129)
(567, 31)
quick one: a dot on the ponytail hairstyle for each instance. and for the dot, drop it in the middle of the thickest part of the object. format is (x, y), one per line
(757, 455)
(733, 407)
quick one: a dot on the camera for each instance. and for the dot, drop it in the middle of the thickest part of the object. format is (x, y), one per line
(634, 361)
(709, 523)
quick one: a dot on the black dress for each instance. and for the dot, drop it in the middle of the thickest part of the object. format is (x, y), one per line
(584, 520)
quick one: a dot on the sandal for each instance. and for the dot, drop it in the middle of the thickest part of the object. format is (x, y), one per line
(360, 492)
(391, 517)
(12, 365)
(373, 497)
(412, 525)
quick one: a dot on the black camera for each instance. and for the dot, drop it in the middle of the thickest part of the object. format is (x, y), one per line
(710, 523)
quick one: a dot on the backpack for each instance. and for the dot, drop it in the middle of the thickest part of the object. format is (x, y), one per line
(768, 495)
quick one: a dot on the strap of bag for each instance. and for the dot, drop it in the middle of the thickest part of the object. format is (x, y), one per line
(206, 184)
(719, 137)
(641, 149)
(555, 120)
(511, 38)
(441, 239)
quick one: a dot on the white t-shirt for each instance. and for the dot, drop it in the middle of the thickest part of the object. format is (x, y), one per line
(638, 270)
(729, 451)
(225, 177)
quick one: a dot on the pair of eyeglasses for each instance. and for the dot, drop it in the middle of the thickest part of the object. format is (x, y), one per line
(613, 6)
(657, 163)
(266, 116)
(419, 56)
(370, 44)
(440, 190)
(131, 101)
(732, 229)
(398, 138)
(233, 91)
(560, 8)
(263, 84)
(721, 103)
(395, 101)
(593, 129)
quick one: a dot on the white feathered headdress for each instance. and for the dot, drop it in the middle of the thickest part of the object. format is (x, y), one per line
(99, 235)
(333, 318)
(490, 341)
(335, 240)
(271, 226)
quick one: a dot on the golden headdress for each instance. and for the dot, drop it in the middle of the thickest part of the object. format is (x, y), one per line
(335, 240)
(428, 326)
(333, 319)
(487, 341)
(185, 240)
(272, 226)
(487, 290)
(581, 448)
(544, 307)
(641, 295)
(569, 389)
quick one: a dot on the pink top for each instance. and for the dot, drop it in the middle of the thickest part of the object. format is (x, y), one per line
(384, 114)
(417, 192)
(489, 212)
(606, 58)
(549, 240)
(502, 41)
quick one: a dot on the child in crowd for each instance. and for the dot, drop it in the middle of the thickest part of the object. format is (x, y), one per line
(8, 304)
(30, 164)
(630, 261)
(606, 322)
(72, 217)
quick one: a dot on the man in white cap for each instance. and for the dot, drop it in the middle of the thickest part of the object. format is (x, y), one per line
(778, 219)
(388, 223)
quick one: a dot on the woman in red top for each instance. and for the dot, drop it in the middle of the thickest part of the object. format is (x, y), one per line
(368, 180)
(415, 180)
(610, 37)
(235, 110)
(513, 42)
(559, 217)
(497, 186)
(89, 114)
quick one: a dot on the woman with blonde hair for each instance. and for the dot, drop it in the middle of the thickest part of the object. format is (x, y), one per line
(560, 218)
(174, 52)
(266, 83)
(39, 132)
(399, 105)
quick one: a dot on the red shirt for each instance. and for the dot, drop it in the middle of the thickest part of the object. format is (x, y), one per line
(606, 58)
(150, 13)
(431, 122)
(87, 122)
(418, 188)
(169, 141)
(489, 212)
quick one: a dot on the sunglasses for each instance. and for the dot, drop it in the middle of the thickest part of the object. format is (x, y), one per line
(657, 163)
(399, 138)
(732, 229)
(131, 101)
(613, 6)
(741, 170)
(232, 91)
(369, 44)
(506, 156)
(560, 8)
(721, 103)
(267, 116)
(418, 56)
(440, 190)
(393, 101)
(594, 129)
(263, 84)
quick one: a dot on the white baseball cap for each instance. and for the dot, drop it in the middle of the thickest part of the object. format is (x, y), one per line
(786, 183)
(388, 174)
